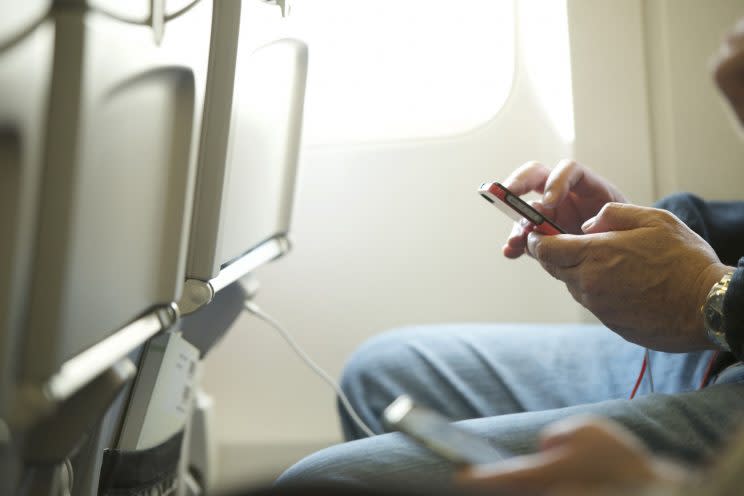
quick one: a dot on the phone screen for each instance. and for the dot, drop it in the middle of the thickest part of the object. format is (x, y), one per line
(436, 433)
(517, 209)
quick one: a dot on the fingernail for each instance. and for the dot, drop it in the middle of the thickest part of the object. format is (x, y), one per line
(532, 239)
(549, 199)
(588, 224)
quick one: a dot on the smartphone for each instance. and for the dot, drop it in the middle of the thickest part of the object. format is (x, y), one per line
(437, 434)
(518, 209)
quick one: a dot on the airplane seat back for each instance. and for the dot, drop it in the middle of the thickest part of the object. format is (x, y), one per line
(247, 167)
(26, 50)
(264, 146)
(100, 126)
(97, 138)
(111, 191)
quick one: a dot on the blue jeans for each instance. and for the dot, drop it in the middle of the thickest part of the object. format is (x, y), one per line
(507, 382)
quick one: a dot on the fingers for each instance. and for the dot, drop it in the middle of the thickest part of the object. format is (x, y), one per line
(570, 176)
(556, 184)
(579, 455)
(580, 426)
(530, 176)
(559, 251)
(516, 244)
(530, 474)
(562, 179)
(618, 217)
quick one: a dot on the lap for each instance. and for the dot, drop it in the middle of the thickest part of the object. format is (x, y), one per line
(469, 371)
(510, 381)
(688, 425)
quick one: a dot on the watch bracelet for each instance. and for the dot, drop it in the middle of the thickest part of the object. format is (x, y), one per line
(733, 308)
(713, 315)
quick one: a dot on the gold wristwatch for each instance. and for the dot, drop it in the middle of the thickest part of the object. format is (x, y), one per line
(713, 318)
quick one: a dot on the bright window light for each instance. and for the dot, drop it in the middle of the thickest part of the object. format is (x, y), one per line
(547, 57)
(383, 70)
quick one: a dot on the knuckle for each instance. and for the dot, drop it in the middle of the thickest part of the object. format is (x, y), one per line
(562, 171)
(667, 216)
(661, 217)
(531, 165)
(610, 209)
(567, 164)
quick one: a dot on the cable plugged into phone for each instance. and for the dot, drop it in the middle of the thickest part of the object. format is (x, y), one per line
(250, 306)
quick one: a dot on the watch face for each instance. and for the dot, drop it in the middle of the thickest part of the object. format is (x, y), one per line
(713, 319)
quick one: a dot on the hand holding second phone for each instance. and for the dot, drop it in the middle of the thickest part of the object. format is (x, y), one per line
(640, 270)
(579, 455)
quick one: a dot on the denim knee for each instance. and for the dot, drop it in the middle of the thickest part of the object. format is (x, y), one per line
(372, 378)
(365, 366)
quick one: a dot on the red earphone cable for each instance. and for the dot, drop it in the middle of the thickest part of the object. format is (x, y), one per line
(703, 382)
(640, 378)
(708, 370)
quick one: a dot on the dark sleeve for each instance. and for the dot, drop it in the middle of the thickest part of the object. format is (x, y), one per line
(733, 309)
(721, 224)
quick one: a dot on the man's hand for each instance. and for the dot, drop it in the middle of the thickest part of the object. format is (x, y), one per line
(572, 194)
(641, 271)
(577, 456)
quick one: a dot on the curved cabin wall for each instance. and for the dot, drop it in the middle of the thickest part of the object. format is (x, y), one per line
(698, 145)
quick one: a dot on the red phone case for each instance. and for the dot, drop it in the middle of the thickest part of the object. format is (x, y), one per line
(518, 209)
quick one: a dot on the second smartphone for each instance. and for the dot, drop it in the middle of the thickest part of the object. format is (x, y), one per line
(436, 433)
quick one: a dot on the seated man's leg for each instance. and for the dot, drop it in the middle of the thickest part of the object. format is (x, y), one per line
(689, 425)
(483, 370)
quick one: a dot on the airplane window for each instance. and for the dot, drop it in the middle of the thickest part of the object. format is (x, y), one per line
(547, 58)
(383, 70)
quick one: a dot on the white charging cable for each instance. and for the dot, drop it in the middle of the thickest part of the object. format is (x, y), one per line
(255, 310)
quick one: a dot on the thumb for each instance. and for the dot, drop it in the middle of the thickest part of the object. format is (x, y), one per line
(616, 217)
